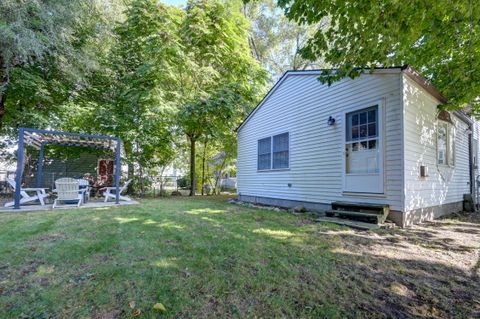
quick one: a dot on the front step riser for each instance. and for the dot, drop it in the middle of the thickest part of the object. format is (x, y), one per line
(376, 219)
(358, 211)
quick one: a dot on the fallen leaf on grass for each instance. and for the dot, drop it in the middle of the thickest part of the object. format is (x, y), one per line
(132, 304)
(137, 313)
(160, 307)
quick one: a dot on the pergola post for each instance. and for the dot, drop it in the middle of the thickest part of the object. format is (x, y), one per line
(117, 172)
(38, 181)
(19, 172)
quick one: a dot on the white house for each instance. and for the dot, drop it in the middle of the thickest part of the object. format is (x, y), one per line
(377, 139)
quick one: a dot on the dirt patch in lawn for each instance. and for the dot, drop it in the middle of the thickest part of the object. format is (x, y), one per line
(428, 271)
(111, 314)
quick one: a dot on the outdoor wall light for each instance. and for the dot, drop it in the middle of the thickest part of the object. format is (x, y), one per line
(331, 121)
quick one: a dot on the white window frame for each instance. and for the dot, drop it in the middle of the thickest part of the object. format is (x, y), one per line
(366, 139)
(271, 153)
(258, 155)
(449, 144)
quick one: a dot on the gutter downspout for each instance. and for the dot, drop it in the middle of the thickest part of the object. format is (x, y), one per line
(471, 164)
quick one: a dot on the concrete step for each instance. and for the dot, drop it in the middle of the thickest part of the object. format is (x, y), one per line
(364, 205)
(363, 211)
(374, 217)
(348, 222)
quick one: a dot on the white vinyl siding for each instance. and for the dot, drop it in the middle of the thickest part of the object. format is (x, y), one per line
(301, 105)
(425, 138)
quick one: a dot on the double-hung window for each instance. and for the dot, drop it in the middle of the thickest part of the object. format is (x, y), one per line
(264, 153)
(445, 145)
(274, 152)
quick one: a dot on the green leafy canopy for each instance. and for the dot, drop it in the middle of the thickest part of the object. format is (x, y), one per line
(441, 39)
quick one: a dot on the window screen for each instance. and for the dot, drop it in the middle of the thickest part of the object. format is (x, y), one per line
(445, 143)
(442, 143)
(264, 153)
(280, 151)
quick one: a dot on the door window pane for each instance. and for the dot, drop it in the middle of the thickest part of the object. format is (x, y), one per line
(355, 119)
(372, 129)
(372, 116)
(363, 131)
(354, 132)
(363, 118)
(362, 124)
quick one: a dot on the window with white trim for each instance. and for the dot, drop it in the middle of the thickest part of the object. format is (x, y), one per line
(362, 141)
(280, 151)
(264, 153)
(445, 143)
(274, 152)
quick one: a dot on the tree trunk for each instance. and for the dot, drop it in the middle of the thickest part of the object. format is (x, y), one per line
(219, 176)
(2, 107)
(130, 166)
(142, 184)
(203, 165)
(140, 169)
(4, 79)
(193, 179)
(131, 176)
(162, 180)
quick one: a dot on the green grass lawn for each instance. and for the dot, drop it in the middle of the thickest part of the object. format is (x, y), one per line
(200, 258)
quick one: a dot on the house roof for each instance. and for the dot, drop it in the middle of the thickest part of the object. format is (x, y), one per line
(406, 69)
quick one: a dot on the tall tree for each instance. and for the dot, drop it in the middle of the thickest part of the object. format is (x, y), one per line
(440, 38)
(138, 92)
(46, 48)
(276, 41)
(221, 79)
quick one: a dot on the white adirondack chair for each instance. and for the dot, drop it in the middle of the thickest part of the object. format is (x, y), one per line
(84, 184)
(40, 194)
(110, 192)
(69, 192)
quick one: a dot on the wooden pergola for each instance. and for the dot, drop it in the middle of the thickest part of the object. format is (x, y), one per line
(39, 138)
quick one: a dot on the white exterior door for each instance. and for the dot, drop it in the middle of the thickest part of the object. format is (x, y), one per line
(363, 156)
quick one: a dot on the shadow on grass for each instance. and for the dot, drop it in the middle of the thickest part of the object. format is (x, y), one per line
(359, 285)
(227, 262)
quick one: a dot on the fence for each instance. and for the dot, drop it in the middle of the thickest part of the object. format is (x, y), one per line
(4, 188)
(153, 185)
(167, 184)
(49, 178)
(228, 183)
